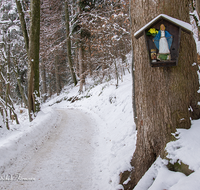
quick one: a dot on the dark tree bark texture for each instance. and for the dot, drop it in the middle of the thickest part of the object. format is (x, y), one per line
(163, 95)
(33, 58)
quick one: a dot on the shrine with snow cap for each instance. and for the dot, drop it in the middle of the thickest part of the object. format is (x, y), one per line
(162, 36)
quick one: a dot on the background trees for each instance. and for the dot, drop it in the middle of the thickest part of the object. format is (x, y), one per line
(53, 51)
(97, 31)
(92, 51)
(108, 22)
(12, 66)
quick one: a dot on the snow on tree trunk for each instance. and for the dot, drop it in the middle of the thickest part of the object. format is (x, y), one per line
(163, 95)
(69, 54)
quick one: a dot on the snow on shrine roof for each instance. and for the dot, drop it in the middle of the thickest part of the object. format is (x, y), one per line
(184, 25)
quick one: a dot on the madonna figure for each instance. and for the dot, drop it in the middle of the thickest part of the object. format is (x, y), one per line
(163, 42)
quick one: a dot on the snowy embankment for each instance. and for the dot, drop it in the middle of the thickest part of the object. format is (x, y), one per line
(185, 149)
(113, 142)
(19, 145)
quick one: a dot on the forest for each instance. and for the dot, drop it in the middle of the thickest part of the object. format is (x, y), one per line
(128, 68)
(75, 39)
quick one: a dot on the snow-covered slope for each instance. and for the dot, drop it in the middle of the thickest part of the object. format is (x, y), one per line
(110, 107)
(185, 149)
(114, 143)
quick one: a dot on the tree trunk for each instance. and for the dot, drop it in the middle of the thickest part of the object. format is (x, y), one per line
(57, 75)
(198, 11)
(69, 54)
(50, 84)
(162, 94)
(81, 67)
(8, 77)
(77, 59)
(7, 123)
(90, 59)
(44, 84)
(115, 49)
(21, 90)
(33, 58)
(116, 73)
(23, 23)
(7, 101)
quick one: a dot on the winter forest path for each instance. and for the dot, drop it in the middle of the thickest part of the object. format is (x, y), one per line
(66, 159)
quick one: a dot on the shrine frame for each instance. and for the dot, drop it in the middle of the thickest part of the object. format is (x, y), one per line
(174, 27)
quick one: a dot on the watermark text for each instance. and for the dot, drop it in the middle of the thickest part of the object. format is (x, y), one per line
(15, 177)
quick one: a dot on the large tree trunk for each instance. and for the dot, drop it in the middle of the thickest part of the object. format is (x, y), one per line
(69, 54)
(198, 11)
(33, 58)
(163, 95)
(198, 7)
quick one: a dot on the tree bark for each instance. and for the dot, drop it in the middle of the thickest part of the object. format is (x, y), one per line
(50, 85)
(163, 95)
(23, 24)
(8, 76)
(198, 11)
(21, 90)
(69, 54)
(57, 75)
(90, 59)
(44, 84)
(33, 58)
(81, 67)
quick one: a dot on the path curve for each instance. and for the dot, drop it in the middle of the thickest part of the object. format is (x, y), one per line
(65, 161)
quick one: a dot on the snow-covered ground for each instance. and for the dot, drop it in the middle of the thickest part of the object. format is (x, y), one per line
(83, 141)
(82, 144)
(185, 149)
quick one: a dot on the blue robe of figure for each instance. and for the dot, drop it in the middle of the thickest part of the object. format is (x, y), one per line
(168, 37)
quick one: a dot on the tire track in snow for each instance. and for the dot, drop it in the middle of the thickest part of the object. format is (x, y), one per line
(66, 159)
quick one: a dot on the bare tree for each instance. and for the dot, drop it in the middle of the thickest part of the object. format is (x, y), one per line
(23, 23)
(44, 83)
(69, 54)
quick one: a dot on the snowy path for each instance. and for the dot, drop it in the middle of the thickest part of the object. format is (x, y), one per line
(66, 159)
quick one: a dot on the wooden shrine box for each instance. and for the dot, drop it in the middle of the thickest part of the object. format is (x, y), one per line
(173, 27)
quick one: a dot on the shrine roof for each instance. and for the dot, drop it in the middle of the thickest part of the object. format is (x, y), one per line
(183, 25)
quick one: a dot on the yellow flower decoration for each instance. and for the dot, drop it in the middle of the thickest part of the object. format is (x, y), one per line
(153, 31)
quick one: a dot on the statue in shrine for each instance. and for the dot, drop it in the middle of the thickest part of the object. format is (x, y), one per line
(163, 42)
